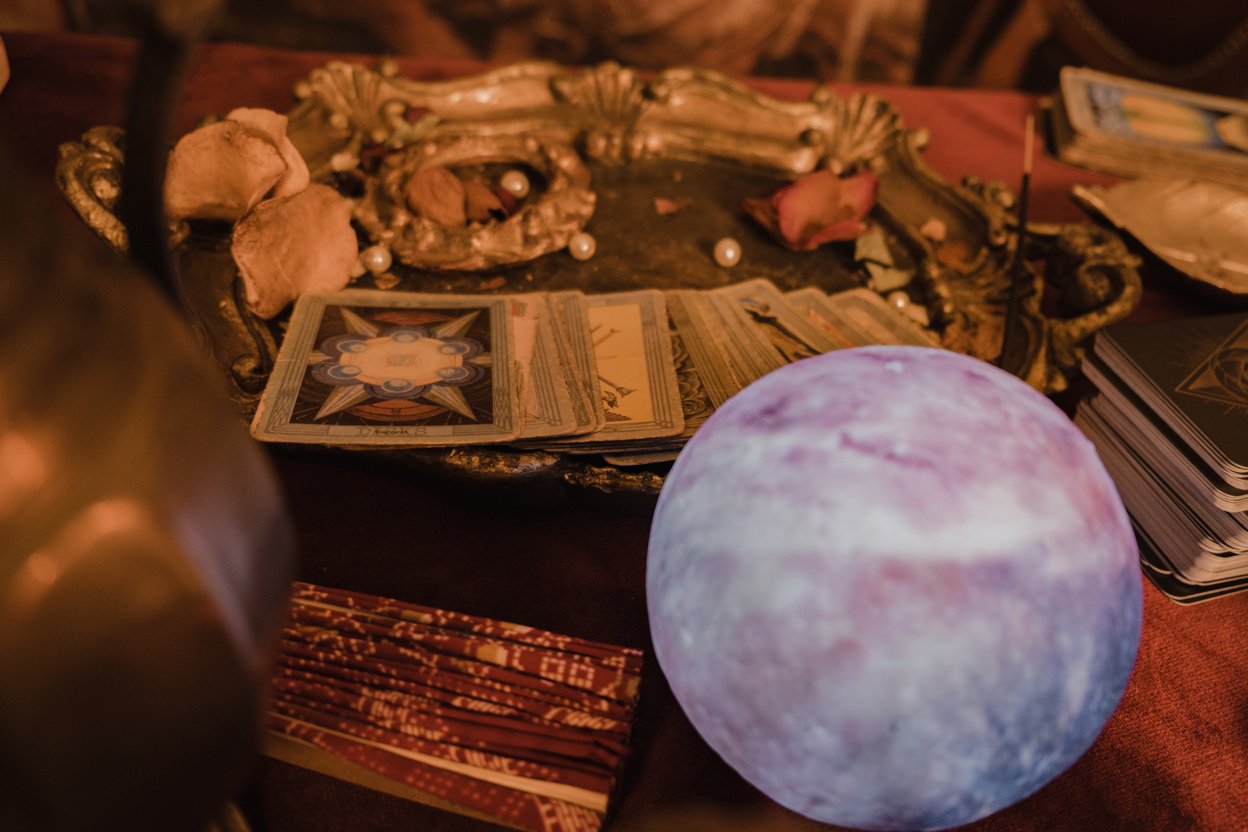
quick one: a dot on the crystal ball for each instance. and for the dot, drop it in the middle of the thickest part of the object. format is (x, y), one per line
(894, 588)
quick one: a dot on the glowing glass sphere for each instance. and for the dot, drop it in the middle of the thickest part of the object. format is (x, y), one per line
(894, 588)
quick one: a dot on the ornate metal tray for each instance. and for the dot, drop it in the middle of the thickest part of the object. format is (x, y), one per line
(683, 134)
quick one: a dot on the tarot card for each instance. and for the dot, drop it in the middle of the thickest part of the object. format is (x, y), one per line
(759, 304)
(576, 344)
(702, 335)
(1187, 372)
(858, 318)
(1151, 117)
(548, 409)
(636, 376)
(696, 407)
(1126, 414)
(1164, 577)
(743, 346)
(813, 304)
(394, 369)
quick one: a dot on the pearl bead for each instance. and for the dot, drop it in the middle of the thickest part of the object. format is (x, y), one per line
(515, 183)
(376, 259)
(343, 161)
(898, 299)
(727, 252)
(582, 246)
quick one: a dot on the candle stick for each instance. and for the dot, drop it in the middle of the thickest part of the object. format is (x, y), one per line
(1018, 271)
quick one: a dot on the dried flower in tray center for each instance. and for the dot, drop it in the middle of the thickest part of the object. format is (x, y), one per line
(431, 206)
(438, 195)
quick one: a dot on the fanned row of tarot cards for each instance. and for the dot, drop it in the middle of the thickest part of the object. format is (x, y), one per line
(629, 375)
(1168, 421)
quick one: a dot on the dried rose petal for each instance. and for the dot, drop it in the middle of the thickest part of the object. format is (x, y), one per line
(665, 207)
(294, 245)
(818, 208)
(272, 126)
(507, 199)
(437, 195)
(481, 203)
(220, 171)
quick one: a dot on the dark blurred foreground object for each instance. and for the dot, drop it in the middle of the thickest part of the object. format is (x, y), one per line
(1022, 44)
(869, 40)
(144, 550)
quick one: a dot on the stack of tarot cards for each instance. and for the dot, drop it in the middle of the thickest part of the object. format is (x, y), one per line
(1169, 422)
(1131, 128)
(629, 375)
(501, 722)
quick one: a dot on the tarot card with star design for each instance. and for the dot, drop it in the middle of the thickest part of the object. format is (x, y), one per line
(394, 369)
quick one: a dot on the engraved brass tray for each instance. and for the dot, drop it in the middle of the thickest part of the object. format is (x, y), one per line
(689, 135)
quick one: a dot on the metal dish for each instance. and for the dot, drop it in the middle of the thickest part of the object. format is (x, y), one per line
(1198, 227)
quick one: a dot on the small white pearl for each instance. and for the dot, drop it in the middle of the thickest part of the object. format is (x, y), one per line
(582, 246)
(515, 183)
(727, 252)
(898, 299)
(376, 259)
(343, 161)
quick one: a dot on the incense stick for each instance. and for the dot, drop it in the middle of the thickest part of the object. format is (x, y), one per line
(1018, 271)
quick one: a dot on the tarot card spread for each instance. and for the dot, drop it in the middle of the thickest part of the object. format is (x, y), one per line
(382, 368)
(630, 375)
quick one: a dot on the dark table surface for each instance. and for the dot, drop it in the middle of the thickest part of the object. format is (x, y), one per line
(1174, 756)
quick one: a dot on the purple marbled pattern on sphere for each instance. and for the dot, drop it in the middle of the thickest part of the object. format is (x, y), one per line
(894, 588)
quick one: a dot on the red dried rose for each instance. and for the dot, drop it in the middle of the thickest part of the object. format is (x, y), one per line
(817, 208)
(481, 203)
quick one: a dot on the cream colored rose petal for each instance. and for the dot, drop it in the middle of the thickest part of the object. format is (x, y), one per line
(272, 126)
(294, 245)
(220, 171)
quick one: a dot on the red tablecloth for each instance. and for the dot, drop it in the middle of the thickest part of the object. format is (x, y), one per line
(1173, 757)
